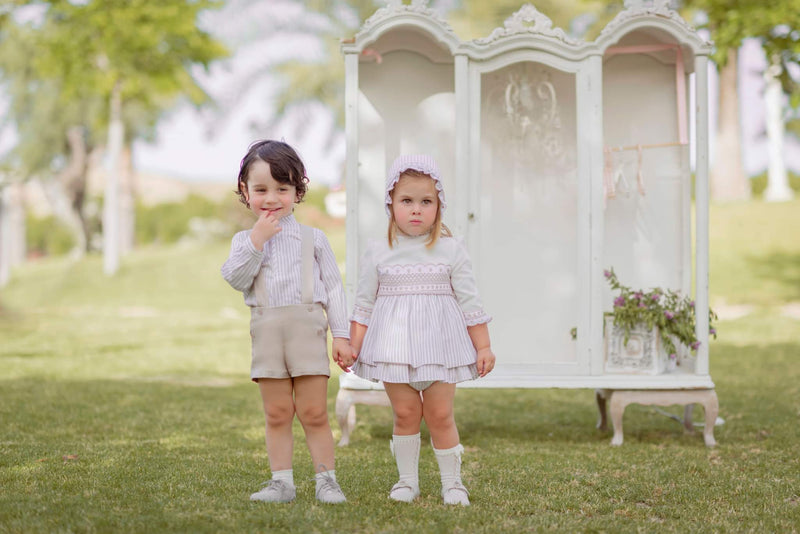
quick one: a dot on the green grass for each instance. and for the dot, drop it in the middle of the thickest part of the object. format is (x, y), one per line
(125, 406)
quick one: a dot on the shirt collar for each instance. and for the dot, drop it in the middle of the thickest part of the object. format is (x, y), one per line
(289, 225)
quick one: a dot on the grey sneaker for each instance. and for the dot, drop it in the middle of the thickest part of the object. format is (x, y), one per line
(328, 490)
(275, 491)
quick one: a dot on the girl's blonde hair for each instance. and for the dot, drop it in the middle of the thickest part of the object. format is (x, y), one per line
(438, 229)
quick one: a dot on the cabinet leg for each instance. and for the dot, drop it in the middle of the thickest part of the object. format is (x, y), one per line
(602, 421)
(711, 407)
(345, 415)
(617, 409)
(688, 426)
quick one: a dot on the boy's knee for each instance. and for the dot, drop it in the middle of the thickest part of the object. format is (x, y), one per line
(278, 415)
(313, 416)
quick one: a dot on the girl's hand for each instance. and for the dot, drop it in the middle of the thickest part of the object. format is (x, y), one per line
(485, 361)
(265, 227)
(342, 353)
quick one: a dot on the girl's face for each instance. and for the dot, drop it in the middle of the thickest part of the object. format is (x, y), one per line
(265, 194)
(415, 203)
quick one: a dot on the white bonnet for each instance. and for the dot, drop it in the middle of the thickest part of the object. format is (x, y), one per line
(419, 162)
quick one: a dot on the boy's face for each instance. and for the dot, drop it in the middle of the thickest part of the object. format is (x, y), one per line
(265, 194)
(415, 203)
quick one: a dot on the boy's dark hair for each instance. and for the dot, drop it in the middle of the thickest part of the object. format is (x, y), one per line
(285, 166)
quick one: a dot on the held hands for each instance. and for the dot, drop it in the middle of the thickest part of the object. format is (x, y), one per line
(485, 361)
(343, 353)
(264, 229)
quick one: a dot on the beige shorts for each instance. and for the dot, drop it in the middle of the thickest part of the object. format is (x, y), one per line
(289, 341)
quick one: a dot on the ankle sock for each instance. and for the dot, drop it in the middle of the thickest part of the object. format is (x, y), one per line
(286, 475)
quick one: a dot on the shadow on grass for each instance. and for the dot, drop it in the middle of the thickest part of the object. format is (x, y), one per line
(782, 268)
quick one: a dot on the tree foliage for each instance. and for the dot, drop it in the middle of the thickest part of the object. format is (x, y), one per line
(61, 66)
(775, 24)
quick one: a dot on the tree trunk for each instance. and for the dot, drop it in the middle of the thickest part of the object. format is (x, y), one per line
(111, 199)
(12, 230)
(127, 201)
(68, 195)
(728, 179)
(778, 189)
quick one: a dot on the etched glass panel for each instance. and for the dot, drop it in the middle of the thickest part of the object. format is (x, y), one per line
(528, 212)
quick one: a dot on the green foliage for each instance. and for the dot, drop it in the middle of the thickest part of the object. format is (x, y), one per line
(47, 236)
(669, 311)
(60, 71)
(775, 24)
(758, 183)
(170, 221)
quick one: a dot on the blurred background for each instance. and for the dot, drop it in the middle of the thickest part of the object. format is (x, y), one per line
(122, 124)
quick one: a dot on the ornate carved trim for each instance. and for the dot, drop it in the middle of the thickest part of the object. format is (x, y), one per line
(634, 9)
(528, 20)
(396, 7)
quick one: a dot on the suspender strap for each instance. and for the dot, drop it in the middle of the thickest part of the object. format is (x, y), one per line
(307, 294)
(307, 281)
(260, 285)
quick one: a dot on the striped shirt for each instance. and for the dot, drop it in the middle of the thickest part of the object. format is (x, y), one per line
(282, 261)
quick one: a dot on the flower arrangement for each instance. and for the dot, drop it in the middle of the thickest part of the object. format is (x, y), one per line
(671, 312)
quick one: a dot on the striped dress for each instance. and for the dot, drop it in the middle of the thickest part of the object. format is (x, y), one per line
(417, 304)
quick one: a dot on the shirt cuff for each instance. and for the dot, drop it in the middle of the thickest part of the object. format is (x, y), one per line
(340, 333)
(476, 317)
(361, 315)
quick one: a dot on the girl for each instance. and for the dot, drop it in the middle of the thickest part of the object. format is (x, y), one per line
(418, 324)
(288, 275)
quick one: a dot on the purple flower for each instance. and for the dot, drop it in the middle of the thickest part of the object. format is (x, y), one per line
(668, 314)
(691, 304)
(713, 331)
(638, 294)
(619, 301)
(656, 296)
(673, 356)
(695, 345)
(642, 305)
(607, 273)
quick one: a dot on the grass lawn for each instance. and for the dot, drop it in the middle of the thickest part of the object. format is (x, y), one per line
(125, 406)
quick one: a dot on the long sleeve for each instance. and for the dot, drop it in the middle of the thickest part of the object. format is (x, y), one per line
(367, 288)
(243, 263)
(336, 307)
(465, 288)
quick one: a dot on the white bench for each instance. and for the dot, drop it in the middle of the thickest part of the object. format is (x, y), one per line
(354, 390)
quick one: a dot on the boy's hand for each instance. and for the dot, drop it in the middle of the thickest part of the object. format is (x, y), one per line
(265, 227)
(343, 353)
(485, 361)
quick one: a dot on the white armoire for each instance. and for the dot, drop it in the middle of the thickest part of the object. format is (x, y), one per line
(560, 158)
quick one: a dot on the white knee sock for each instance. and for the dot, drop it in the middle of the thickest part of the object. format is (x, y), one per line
(453, 491)
(287, 475)
(406, 453)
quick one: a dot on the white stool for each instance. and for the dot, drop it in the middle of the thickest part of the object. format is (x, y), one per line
(354, 390)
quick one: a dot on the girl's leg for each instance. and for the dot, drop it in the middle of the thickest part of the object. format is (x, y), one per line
(311, 403)
(276, 394)
(407, 408)
(437, 407)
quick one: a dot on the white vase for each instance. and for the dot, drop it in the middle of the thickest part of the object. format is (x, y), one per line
(642, 354)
